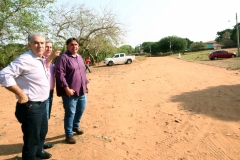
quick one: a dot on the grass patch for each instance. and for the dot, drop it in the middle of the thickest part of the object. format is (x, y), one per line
(193, 56)
(202, 57)
(140, 58)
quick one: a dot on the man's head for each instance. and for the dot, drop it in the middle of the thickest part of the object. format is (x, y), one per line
(36, 43)
(48, 48)
(72, 45)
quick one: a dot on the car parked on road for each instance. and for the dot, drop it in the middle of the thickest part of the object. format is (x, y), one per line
(119, 58)
(221, 54)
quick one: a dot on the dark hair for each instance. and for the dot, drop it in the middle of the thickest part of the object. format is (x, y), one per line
(70, 40)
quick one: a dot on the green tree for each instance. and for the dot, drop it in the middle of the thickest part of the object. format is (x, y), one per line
(189, 42)
(17, 19)
(94, 30)
(197, 46)
(226, 40)
(125, 49)
(147, 46)
(219, 38)
(172, 44)
(98, 48)
(10, 52)
(138, 48)
(234, 34)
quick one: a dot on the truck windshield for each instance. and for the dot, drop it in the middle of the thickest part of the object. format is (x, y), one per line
(116, 56)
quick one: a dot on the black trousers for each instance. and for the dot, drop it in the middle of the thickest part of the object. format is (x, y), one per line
(88, 68)
(33, 117)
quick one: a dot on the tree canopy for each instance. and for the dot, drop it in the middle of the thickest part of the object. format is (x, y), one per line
(228, 37)
(172, 44)
(97, 32)
(125, 49)
(17, 19)
(197, 46)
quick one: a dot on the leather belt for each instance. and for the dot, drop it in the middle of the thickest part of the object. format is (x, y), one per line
(36, 102)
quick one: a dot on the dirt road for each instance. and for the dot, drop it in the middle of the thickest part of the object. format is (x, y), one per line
(159, 108)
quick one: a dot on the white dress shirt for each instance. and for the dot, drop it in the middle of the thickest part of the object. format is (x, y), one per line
(29, 73)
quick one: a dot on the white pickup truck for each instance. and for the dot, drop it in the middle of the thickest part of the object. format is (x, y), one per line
(119, 58)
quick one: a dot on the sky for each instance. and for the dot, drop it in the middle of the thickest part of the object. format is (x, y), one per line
(152, 20)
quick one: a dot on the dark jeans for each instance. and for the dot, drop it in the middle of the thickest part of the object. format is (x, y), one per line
(88, 68)
(33, 117)
(49, 103)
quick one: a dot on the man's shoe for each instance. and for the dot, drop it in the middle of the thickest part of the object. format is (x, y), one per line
(45, 155)
(78, 131)
(47, 145)
(70, 140)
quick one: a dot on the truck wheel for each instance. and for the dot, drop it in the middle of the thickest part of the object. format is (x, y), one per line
(110, 63)
(129, 61)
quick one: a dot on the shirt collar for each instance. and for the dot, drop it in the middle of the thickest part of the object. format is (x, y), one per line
(70, 54)
(33, 55)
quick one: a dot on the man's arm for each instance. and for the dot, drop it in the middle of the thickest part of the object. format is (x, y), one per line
(51, 57)
(22, 97)
(8, 75)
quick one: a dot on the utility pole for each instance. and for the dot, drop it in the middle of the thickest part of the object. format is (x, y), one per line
(170, 47)
(140, 48)
(237, 35)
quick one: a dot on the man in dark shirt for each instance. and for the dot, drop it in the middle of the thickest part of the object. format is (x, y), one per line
(71, 85)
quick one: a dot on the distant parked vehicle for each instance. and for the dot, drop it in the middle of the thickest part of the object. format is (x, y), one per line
(119, 58)
(221, 54)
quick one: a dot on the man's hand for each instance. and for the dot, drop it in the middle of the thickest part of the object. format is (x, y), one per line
(53, 55)
(69, 91)
(22, 98)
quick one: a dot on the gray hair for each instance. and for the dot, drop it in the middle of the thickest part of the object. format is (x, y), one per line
(32, 35)
(48, 41)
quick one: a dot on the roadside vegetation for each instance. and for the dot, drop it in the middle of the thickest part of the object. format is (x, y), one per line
(99, 31)
(141, 58)
(202, 57)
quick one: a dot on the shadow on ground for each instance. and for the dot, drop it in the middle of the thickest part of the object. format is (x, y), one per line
(105, 66)
(9, 149)
(222, 102)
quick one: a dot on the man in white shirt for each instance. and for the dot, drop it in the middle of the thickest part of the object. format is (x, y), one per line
(27, 78)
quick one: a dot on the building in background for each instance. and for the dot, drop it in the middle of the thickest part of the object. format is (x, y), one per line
(213, 45)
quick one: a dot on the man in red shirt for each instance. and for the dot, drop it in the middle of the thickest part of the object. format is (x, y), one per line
(87, 62)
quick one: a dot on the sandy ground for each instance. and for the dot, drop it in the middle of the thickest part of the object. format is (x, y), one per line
(159, 108)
